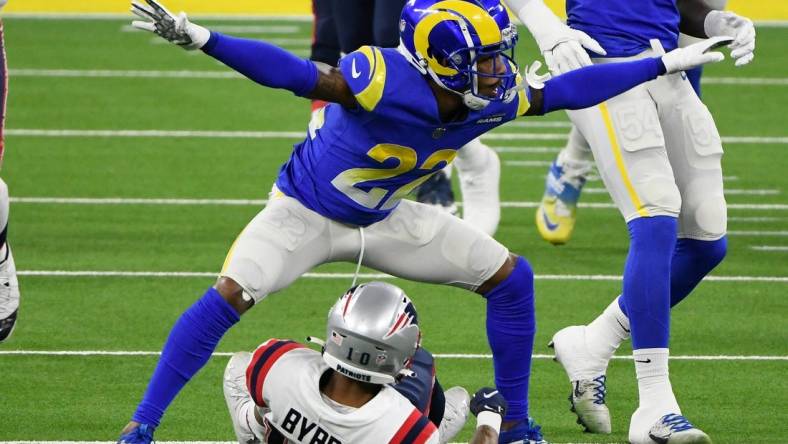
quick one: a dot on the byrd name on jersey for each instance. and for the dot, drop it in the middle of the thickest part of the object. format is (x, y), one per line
(355, 165)
(283, 378)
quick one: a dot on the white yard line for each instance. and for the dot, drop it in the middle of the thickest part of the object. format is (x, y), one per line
(754, 219)
(31, 132)
(774, 248)
(752, 81)
(202, 274)
(241, 29)
(437, 355)
(758, 233)
(527, 149)
(259, 202)
(285, 41)
(729, 191)
(527, 163)
(21, 72)
(537, 124)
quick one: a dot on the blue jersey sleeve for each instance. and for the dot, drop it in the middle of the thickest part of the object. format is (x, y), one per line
(365, 72)
(264, 63)
(589, 86)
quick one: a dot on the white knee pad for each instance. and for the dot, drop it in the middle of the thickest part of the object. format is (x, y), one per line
(698, 171)
(703, 216)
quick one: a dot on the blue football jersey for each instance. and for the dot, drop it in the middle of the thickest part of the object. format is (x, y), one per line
(355, 165)
(624, 27)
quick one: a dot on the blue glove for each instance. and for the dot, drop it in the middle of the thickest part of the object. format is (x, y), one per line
(488, 399)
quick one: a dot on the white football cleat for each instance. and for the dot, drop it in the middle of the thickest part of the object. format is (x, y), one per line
(586, 373)
(479, 171)
(237, 396)
(669, 429)
(455, 415)
(9, 295)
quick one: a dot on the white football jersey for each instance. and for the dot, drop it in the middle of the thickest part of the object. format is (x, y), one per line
(284, 378)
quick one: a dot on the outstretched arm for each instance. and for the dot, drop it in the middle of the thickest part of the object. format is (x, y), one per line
(261, 62)
(274, 67)
(592, 85)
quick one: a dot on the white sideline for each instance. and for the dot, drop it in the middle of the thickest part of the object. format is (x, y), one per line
(260, 202)
(33, 132)
(436, 355)
(235, 17)
(201, 274)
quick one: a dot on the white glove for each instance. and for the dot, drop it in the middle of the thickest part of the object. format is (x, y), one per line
(561, 45)
(175, 29)
(719, 23)
(697, 54)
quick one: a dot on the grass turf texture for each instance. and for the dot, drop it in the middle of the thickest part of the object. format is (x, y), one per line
(90, 398)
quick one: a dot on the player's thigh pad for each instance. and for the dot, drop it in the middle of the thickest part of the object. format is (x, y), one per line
(280, 244)
(423, 243)
(629, 148)
(695, 152)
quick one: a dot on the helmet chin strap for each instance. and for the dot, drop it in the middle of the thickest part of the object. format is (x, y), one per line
(474, 102)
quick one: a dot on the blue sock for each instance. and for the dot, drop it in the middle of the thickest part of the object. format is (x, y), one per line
(189, 346)
(646, 295)
(511, 324)
(692, 260)
(694, 75)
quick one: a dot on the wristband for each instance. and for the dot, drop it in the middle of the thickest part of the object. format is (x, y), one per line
(491, 419)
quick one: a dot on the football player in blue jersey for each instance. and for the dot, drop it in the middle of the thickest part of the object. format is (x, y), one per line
(557, 212)
(396, 117)
(659, 154)
(9, 285)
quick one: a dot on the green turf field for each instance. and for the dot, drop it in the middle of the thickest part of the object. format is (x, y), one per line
(76, 75)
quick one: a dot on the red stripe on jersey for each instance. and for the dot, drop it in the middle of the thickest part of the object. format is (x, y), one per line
(263, 359)
(426, 433)
(415, 415)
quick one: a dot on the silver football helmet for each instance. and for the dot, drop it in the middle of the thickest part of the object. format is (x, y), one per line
(372, 333)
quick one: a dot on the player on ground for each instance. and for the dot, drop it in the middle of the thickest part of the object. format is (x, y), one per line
(396, 117)
(373, 383)
(557, 212)
(9, 286)
(659, 153)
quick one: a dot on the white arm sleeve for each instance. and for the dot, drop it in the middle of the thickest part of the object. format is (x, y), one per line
(542, 23)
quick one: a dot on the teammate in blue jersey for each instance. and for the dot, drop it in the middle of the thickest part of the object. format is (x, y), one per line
(659, 154)
(396, 117)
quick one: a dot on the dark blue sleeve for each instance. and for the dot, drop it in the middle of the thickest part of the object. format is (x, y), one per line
(264, 63)
(594, 84)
